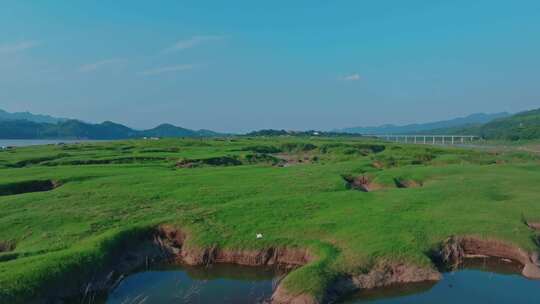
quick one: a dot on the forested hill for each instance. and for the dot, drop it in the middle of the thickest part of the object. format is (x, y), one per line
(521, 126)
(75, 129)
(460, 122)
(4, 115)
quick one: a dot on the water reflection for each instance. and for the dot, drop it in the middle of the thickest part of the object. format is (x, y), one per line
(216, 284)
(482, 280)
(478, 281)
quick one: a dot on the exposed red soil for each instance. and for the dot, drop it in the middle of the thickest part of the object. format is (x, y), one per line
(455, 249)
(394, 273)
(533, 225)
(362, 183)
(384, 274)
(168, 244)
(283, 296)
(172, 241)
(407, 183)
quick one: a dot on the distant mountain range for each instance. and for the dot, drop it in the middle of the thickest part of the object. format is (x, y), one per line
(521, 126)
(31, 126)
(473, 119)
(29, 116)
(524, 125)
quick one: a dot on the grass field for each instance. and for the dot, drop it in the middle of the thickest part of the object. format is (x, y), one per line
(224, 192)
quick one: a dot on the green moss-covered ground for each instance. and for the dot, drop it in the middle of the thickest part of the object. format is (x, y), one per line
(225, 191)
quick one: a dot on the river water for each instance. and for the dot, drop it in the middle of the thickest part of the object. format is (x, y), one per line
(481, 281)
(491, 281)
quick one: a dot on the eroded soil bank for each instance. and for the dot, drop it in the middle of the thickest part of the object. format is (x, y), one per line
(534, 225)
(171, 241)
(478, 280)
(456, 249)
(362, 183)
(384, 274)
(167, 244)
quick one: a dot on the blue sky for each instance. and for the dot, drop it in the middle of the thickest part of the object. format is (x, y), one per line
(241, 65)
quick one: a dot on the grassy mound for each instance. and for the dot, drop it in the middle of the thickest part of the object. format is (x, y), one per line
(116, 190)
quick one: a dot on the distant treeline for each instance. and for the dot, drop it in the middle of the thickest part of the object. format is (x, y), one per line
(272, 132)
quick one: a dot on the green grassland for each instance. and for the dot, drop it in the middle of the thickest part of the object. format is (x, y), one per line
(233, 189)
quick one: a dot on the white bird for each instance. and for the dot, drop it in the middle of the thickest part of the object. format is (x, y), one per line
(259, 235)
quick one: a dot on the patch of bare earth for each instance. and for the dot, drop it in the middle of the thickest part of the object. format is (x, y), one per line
(288, 160)
(382, 275)
(377, 164)
(407, 183)
(171, 240)
(168, 243)
(361, 183)
(385, 274)
(534, 225)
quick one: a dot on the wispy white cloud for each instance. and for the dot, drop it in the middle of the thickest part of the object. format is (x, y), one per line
(192, 42)
(167, 69)
(351, 77)
(18, 46)
(90, 67)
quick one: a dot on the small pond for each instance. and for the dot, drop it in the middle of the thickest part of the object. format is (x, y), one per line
(198, 285)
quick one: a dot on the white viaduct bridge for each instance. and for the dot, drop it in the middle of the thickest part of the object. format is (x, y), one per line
(430, 139)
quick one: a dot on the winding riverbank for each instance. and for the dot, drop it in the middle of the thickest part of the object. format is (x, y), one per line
(236, 206)
(166, 244)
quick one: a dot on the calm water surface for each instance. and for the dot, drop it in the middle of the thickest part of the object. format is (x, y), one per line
(482, 281)
(217, 284)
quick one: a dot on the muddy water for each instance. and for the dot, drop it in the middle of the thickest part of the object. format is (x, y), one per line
(197, 285)
(479, 281)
